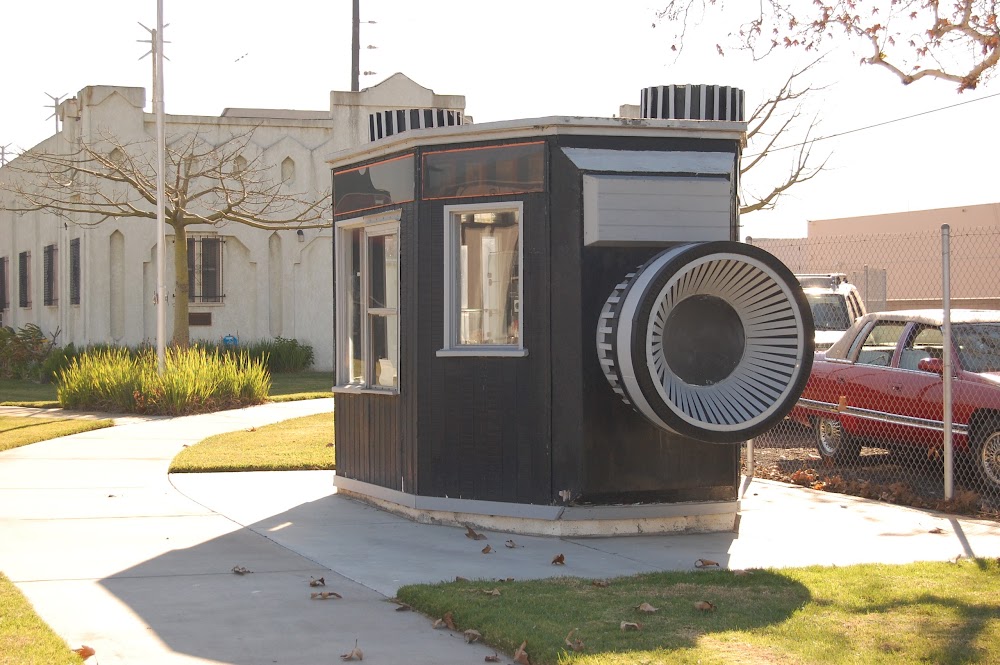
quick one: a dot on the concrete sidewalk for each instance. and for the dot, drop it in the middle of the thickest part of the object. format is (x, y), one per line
(116, 554)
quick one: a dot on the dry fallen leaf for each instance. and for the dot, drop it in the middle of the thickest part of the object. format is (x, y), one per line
(601, 583)
(487, 550)
(492, 659)
(646, 607)
(439, 623)
(324, 595)
(575, 645)
(511, 544)
(491, 592)
(559, 560)
(936, 529)
(353, 654)
(704, 606)
(521, 656)
(329, 445)
(449, 621)
(630, 625)
(401, 606)
(705, 563)
(85, 652)
(320, 582)
(471, 533)
(240, 570)
(472, 635)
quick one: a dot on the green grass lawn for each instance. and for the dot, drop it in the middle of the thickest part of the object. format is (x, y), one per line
(926, 612)
(297, 444)
(14, 392)
(24, 638)
(300, 385)
(16, 431)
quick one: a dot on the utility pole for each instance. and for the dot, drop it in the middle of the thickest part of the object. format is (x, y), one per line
(161, 289)
(55, 107)
(356, 47)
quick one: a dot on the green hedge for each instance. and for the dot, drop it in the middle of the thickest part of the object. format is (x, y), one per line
(279, 354)
(195, 380)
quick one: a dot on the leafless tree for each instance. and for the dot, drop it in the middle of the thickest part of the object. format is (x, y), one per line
(776, 120)
(203, 184)
(951, 40)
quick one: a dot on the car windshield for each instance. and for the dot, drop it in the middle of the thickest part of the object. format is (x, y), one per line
(829, 311)
(978, 346)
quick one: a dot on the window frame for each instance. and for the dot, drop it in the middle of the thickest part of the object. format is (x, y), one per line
(74, 271)
(377, 225)
(196, 270)
(50, 275)
(4, 284)
(24, 280)
(452, 296)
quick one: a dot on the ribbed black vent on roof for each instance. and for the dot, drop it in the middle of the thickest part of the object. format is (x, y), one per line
(393, 121)
(693, 102)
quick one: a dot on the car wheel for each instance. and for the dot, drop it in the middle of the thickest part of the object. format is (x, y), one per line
(835, 446)
(987, 456)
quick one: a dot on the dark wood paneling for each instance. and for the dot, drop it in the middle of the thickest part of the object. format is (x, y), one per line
(484, 427)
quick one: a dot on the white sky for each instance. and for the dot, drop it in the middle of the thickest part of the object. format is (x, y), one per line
(511, 59)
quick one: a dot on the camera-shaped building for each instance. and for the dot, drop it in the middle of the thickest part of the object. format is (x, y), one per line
(547, 325)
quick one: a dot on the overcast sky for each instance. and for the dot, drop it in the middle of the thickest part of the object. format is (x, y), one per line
(511, 59)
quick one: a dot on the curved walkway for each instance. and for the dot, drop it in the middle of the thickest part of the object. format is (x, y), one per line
(115, 553)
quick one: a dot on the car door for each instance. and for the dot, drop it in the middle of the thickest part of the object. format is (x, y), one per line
(917, 394)
(865, 388)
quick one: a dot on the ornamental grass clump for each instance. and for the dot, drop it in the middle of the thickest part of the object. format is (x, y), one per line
(194, 381)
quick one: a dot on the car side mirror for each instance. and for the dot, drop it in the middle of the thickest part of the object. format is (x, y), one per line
(935, 365)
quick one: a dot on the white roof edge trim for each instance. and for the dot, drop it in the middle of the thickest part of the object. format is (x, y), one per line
(651, 161)
(539, 127)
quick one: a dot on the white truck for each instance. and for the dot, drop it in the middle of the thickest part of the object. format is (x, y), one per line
(835, 304)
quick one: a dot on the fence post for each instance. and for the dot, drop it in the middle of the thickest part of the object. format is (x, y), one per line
(949, 480)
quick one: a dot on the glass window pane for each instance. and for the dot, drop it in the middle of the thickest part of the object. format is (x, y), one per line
(374, 185)
(384, 337)
(487, 278)
(383, 272)
(491, 171)
(880, 344)
(355, 350)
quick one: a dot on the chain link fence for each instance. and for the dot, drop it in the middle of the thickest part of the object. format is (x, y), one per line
(873, 419)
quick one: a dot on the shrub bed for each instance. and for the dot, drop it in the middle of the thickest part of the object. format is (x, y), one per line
(279, 354)
(195, 380)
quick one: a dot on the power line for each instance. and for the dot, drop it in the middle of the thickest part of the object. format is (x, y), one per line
(879, 124)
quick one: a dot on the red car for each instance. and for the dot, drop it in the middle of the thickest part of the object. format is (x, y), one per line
(882, 383)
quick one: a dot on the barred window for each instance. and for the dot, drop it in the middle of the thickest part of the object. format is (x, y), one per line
(24, 279)
(4, 302)
(74, 271)
(205, 269)
(50, 282)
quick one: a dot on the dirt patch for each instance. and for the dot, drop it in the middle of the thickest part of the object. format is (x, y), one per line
(903, 476)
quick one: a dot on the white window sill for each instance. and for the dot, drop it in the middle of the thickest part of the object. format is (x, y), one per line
(364, 390)
(483, 351)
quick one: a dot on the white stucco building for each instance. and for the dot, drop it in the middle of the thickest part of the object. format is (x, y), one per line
(97, 283)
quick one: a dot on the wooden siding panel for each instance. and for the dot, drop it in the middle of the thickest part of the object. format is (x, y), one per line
(484, 422)
(630, 209)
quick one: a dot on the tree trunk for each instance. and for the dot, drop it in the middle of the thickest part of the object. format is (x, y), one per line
(182, 287)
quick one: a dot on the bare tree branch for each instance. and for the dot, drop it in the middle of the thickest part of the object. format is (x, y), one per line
(204, 184)
(957, 40)
(771, 123)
